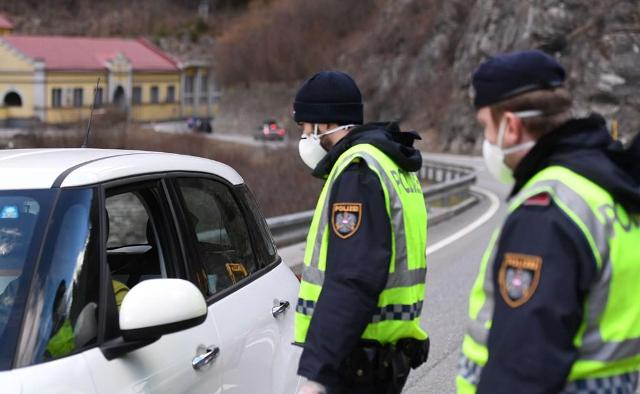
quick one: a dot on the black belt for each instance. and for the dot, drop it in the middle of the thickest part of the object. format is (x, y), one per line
(371, 362)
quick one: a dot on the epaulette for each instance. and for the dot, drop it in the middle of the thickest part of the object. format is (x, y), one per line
(540, 200)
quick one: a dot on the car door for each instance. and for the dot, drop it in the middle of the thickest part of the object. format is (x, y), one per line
(141, 243)
(249, 292)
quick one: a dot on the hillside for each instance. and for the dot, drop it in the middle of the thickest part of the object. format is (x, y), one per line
(412, 58)
(152, 18)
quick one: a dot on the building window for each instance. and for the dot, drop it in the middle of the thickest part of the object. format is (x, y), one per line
(188, 89)
(204, 89)
(77, 97)
(136, 95)
(98, 98)
(56, 97)
(171, 94)
(12, 99)
(155, 95)
(188, 84)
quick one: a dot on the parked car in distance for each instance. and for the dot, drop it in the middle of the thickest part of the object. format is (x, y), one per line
(132, 271)
(270, 131)
(200, 124)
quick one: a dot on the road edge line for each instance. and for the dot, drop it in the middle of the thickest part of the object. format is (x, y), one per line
(495, 204)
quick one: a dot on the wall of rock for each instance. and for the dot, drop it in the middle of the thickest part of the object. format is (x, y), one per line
(417, 64)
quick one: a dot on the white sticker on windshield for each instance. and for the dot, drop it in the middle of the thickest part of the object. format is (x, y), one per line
(9, 212)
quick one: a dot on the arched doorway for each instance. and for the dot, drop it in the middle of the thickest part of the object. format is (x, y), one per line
(119, 99)
(12, 99)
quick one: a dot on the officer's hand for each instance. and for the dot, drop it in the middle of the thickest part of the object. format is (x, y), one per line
(311, 387)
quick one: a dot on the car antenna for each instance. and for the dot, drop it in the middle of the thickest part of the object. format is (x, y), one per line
(93, 105)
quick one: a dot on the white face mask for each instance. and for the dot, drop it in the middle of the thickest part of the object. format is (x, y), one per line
(310, 149)
(494, 154)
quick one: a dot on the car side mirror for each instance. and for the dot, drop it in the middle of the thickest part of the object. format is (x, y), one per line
(156, 307)
(153, 308)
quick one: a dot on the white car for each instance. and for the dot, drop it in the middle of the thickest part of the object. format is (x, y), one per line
(138, 272)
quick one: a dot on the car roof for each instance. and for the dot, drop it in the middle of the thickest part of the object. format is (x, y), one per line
(68, 167)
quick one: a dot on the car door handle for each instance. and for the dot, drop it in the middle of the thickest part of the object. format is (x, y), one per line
(279, 309)
(205, 358)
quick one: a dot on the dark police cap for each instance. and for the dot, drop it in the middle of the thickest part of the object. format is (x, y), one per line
(507, 75)
(329, 97)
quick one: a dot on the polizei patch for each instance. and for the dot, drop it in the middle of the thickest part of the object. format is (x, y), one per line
(345, 218)
(518, 278)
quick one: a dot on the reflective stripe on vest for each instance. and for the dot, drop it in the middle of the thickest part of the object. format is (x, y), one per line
(608, 345)
(469, 371)
(401, 301)
(627, 383)
(482, 301)
(388, 312)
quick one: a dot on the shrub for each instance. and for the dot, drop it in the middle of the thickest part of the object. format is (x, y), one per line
(287, 40)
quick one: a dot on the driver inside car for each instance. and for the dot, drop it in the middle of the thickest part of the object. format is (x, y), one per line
(63, 341)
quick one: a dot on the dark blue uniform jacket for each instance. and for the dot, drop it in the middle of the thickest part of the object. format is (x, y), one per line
(357, 267)
(531, 346)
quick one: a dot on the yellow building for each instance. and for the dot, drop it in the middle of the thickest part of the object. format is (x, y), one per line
(52, 79)
(5, 25)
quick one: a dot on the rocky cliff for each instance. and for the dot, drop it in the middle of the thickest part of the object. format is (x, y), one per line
(420, 55)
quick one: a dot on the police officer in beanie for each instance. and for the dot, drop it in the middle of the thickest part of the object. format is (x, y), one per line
(555, 306)
(363, 281)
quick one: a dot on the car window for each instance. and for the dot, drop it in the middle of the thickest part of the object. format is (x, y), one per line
(128, 220)
(263, 235)
(219, 232)
(141, 242)
(133, 252)
(65, 298)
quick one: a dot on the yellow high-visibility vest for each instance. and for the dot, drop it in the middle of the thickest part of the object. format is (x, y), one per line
(400, 303)
(608, 340)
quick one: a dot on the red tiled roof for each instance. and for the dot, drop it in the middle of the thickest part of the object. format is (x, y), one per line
(83, 54)
(5, 23)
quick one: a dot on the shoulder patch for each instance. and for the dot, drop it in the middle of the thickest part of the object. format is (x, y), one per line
(518, 278)
(541, 200)
(345, 218)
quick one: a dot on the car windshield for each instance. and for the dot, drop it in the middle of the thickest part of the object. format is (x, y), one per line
(46, 273)
(22, 218)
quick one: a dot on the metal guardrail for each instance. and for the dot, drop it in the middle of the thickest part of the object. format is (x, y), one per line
(446, 183)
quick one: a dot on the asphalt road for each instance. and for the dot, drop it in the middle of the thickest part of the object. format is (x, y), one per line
(454, 251)
(180, 127)
(452, 268)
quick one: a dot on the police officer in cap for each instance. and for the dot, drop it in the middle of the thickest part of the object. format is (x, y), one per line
(363, 281)
(555, 306)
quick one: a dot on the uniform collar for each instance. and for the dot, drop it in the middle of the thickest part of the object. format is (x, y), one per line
(585, 147)
(575, 135)
(386, 136)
